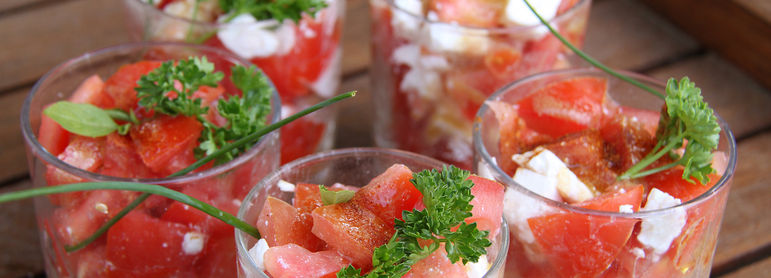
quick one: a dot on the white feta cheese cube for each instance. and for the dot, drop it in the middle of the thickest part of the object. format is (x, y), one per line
(543, 185)
(444, 37)
(657, 232)
(626, 209)
(257, 252)
(192, 243)
(285, 186)
(545, 162)
(406, 20)
(518, 207)
(249, 38)
(517, 12)
(479, 268)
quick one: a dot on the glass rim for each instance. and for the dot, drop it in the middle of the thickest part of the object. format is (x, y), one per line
(243, 250)
(37, 149)
(509, 181)
(496, 30)
(217, 25)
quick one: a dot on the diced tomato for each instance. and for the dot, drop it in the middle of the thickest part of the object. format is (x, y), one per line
(488, 205)
(144, 246)
(90, 91)
(671, 181)
(120, 86)
(291, 260)
(166, 139)
(584, 154)
(538, 56)
(503, 62)
(121, 159)
(219, 259)
(648, 119)
(437, 265)
(300, 138)
(468, 12)
(306, 197)
(388, 194)
(53, 137)
(566, 106)
(78, 220)
(209, 95)
(82, 152)
(351, 230)
(279, 223)
(627, 140)
(580, 245)
(515, 136)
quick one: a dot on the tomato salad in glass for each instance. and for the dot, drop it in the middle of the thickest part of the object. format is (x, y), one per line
(564, 142)
(332, 210)
(436, 61)
(296, 43)
(147, 142)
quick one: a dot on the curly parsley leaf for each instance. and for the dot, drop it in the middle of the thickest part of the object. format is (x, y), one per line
(446, 195)
(686, 118)
(272, 9)
(169, 88)
(245, 114)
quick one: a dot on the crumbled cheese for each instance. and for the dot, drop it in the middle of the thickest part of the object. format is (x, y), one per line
(626, 209)
(286, 186)
(657, 232)
(406, 19)
(326, 85)
(101, 207)
(479, 268)
(517, 12)
(249, 38)
(545, 186)
(192, 243)
(546, 163)
(518, 207)
(638, 252)
(423, 76)
(257, 252)
(445, 37)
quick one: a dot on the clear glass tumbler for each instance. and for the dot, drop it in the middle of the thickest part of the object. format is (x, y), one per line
(352, 167)
(435, 62)
(302, 59)
(160, 238)
(596, 238)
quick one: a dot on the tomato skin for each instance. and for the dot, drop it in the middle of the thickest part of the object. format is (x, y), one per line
(580, 245)
(437, 265)
(144, 246)
(352, 231)
(281, 224)
(291, 260)
(565, 106)
(388, 194)
(166, 139)
(120, 86)
(488, 205)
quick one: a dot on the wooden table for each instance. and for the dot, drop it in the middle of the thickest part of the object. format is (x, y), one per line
(38, 34)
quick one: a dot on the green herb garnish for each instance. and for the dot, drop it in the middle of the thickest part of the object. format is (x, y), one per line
(272, 9)
(446, 195)
(686, 117)
(82, 118)
(329, 197)
(169, 88)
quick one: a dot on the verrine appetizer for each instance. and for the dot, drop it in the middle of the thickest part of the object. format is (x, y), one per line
(355, 212)
(144, 113)
(296, 43)
(435, 62)
(600, 182)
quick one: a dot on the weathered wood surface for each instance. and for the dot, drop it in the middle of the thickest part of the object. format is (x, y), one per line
(39, 34)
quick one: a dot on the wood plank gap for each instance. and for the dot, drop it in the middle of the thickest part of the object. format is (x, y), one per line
(15, 180)
(31, 6)
(34, 275)
(693, 54)
(355, 74)
(753, 133)
(19, 87)
(742, 261)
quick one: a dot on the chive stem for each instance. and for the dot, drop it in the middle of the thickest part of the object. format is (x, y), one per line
(590, 59)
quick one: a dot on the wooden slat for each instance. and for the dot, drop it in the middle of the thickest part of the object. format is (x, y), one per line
(36, 40)
(21, 253)
(758, 269)
(627, 35)
(354, 128)
(726, 27)
(742, 102)
(761, 9)
(7, 5)
(12, 157)
(356, 55)
(746, 224)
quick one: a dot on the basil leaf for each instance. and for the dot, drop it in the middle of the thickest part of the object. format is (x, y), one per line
(81, 119)
(329, 197)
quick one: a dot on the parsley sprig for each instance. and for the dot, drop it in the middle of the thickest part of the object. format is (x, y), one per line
(446, 195)
(169, 88)
(272, 9)
(686, 118)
